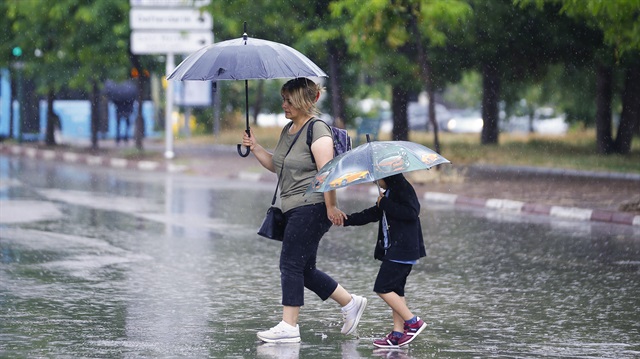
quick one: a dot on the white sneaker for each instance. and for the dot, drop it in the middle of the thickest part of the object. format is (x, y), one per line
(352, 316)
(281, 333)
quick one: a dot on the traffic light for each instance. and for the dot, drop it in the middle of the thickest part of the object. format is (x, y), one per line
(17, 51)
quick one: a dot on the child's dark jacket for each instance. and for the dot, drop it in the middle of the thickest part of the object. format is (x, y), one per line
(402, 209)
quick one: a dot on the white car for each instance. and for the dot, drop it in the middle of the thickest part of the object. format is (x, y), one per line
(418, 118)
(467, 121)
(545, 121)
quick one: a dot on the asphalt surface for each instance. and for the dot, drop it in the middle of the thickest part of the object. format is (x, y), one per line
(571, 194)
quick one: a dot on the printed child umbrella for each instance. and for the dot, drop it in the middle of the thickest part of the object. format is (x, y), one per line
(372, 161)
(245, 58)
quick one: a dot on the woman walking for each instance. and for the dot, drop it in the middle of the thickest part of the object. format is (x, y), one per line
(308, 217)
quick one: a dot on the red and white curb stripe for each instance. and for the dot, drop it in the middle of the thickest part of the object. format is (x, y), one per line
(86, 159)
(574, 213)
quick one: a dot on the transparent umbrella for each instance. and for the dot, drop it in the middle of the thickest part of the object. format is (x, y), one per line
(372, 161)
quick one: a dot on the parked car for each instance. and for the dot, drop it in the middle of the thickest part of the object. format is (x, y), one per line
(465, 121)
(545, 121)
(418, 116)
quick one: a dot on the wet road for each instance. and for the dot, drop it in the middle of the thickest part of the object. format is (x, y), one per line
(105, 264)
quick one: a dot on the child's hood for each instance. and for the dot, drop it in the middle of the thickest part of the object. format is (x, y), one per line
(395, 181)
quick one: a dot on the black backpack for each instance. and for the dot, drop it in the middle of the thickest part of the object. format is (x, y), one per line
(341, 139)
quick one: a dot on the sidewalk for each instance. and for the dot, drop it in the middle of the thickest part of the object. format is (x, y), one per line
(570, 194)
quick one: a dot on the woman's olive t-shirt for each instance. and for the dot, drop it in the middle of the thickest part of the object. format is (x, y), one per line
(298, 170)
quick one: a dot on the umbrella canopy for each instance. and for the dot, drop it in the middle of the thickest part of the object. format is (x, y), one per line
(245, 58)
(372, 161)
(126, 91)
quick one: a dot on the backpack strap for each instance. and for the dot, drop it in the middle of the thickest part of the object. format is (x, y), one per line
(310, 136)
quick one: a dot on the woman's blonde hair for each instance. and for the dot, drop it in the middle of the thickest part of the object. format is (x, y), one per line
(303, 94)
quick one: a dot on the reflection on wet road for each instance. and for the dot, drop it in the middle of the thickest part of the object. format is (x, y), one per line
(97, 263)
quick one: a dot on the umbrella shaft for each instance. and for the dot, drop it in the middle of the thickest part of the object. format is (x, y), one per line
(246, 102)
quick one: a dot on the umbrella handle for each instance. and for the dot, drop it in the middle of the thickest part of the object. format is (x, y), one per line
(248, 149)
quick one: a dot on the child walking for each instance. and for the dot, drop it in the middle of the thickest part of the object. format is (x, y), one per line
(399, 246)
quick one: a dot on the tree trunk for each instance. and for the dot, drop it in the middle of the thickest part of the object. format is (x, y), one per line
(630, 116)
(257, 104)
(95, 94)
(399, 102)
(432, 113)
(490, 108)
(138, 132)
(337, 98)
(432, 117)
(49, 138)
(604, 93)
(425, 72)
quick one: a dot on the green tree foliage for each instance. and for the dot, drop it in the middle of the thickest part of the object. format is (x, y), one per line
(307, 28)
(6, 33)
(72, 43)
(619, 20)
(101, 52)
(511, 47)
(395, 39)
(619, 23)
(566, 50)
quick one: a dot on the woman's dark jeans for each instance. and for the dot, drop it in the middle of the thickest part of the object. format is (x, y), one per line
(305, 227)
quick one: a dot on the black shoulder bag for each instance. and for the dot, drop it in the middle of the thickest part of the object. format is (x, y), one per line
(274, 222)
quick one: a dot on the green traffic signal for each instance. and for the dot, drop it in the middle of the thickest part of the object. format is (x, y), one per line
(17, 51)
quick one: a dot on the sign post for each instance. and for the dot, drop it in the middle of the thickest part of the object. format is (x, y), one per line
(169, 27)
(168, 114)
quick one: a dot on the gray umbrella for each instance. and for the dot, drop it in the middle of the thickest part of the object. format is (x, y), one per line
(245, 58)
(121, 92)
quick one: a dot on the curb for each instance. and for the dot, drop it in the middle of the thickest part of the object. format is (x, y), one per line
(507, 205)
(573, 213)
(90, 160)
(528, 170)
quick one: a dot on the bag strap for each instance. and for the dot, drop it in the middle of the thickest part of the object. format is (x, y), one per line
(310, 135)
(275, 193)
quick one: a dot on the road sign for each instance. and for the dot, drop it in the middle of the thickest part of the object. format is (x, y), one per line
(164, 42)
(170, 3)
(192, 93)
(169, 19)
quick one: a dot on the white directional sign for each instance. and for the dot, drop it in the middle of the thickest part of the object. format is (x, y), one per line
(170, 3)
(192, 93)
(163, 42)
(169, 19)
